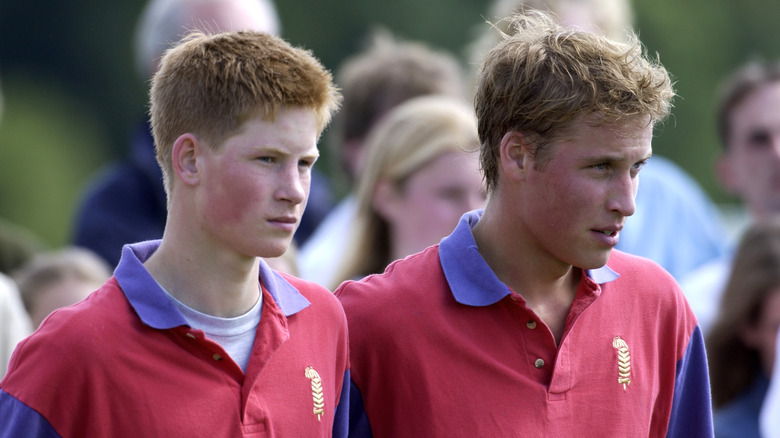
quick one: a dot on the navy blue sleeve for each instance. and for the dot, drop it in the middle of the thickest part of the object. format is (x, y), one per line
(19, 420)
(691, 414)
(358, 419)
(341, 418)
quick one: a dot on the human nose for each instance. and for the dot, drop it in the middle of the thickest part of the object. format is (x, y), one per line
(622, 197)
(293, 186)
(775, 146)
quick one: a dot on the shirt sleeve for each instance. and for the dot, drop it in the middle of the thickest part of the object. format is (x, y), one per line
(18, 419)
(358, 419)
(691, 414)
(341, 418)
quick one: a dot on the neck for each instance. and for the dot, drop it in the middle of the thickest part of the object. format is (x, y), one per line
(514, 256)
(208, 280)
(548, 286)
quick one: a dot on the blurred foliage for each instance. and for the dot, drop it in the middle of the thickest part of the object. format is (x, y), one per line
(72, 94)
(50, 142)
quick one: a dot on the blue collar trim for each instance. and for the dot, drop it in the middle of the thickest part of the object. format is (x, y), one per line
(470, 278)
(155, 309)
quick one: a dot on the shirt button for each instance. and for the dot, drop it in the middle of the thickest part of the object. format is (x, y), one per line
(539, 363)
(531, 324)
(218, 357)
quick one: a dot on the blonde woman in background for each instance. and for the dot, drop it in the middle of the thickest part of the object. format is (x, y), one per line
(741, 343)
(421, 173)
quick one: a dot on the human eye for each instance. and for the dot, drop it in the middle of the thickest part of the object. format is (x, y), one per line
(306, 162)
(759, 138)
(454, 194)
(639, 165)
(600, 167)
(266, 159)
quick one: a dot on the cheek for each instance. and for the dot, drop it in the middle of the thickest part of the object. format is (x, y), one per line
(232, 198)
(559, 203)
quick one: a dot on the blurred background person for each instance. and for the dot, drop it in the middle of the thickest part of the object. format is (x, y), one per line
(15, 323)
(17, 246)
(741, 343)
(384, 74)
(126, 203)
(56, 279)
(676, 224)
(420, 174)
(748, 124)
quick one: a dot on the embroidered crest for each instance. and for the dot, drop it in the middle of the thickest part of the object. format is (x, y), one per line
(316, 392)
(624, 361)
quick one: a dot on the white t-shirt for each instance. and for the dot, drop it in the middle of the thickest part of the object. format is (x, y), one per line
(236, 335)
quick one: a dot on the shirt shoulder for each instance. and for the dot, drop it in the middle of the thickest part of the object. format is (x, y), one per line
(405, 276)
(69, 348)
(644, 278)
(632, 265)
(321, 299)
(379, 301)
(73, 330)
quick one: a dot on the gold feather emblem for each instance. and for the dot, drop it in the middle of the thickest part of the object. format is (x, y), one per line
(316, 392)
(624, 361)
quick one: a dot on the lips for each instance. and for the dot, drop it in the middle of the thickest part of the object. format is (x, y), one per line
(284, 219)
(285, 223)
(608, 235)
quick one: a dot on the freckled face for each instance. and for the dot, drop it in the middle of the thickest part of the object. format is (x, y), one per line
(574, 207)
(254, 188)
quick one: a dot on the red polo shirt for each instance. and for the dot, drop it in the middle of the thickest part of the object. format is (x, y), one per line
(124, 363)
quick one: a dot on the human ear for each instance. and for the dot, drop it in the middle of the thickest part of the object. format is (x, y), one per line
(514, 155)
(385, 200)
(184, 156)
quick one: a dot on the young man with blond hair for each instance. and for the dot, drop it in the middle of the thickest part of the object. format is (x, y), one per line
(525, 321)
(195, 335)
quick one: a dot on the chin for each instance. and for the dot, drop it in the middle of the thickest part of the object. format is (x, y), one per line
(595, 262)
(272, 249)
(270, 253)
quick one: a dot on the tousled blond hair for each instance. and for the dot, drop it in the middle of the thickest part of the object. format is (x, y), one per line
(543, 78)
(611, 18)
(209, 85)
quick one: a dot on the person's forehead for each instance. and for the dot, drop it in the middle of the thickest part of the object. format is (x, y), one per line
(759, 107)
(627, 127)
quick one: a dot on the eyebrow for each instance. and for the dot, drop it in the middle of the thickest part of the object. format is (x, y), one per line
(611, 158)
(313, 152)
